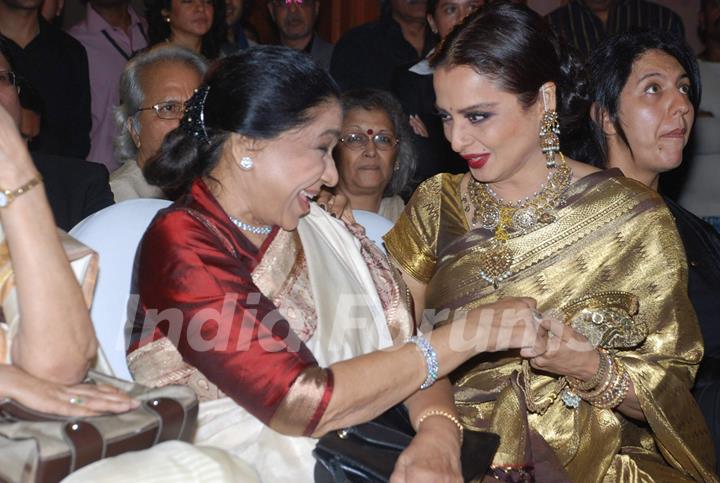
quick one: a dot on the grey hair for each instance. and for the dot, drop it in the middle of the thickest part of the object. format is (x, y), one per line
(406, 159)
(132, 95)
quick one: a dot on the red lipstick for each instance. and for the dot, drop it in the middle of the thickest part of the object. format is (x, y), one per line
(476, 161)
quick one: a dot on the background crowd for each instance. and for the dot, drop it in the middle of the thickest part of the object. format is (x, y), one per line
(69, 59)
(382, 118)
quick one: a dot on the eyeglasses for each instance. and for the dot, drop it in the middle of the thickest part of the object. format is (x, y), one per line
(8, 78)
(359, 140)
(167, 109)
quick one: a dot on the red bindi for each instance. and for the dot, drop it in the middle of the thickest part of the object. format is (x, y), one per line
(370, 132)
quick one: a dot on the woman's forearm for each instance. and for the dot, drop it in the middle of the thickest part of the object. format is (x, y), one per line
(366, 386)
(438, 397)
(56, 340)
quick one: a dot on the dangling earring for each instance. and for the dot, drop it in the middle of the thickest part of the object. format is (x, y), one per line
(549, 137)
(246, 163)
(167, 19)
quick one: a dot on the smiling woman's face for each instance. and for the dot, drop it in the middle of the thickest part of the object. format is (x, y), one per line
(291, 168)
(655, 113)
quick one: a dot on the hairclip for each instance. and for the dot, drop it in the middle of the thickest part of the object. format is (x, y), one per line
(193, 122)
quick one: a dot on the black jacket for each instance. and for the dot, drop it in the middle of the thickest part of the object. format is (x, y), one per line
(57, 67)
(367, 55)
(75, 188)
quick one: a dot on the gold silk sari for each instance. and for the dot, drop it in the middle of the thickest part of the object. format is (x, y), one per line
(612, 237)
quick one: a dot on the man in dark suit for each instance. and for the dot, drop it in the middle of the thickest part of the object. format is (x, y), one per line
(75, 188)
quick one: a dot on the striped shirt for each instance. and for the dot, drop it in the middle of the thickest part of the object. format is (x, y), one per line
(584, 30)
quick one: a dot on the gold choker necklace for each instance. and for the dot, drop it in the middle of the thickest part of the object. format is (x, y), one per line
(512, 219)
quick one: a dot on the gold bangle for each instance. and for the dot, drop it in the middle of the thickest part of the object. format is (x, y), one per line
(8, 196)
(445, 414)
(599, 376)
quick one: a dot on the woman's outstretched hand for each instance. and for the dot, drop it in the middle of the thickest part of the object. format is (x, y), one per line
(509, 323)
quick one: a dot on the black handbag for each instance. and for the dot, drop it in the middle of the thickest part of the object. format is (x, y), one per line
(367, 453)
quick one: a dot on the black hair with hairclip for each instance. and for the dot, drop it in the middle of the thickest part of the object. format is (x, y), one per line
(193, 122)
(258, 93)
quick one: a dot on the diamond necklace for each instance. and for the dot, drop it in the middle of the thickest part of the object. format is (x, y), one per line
(512, 219)
(257, 230)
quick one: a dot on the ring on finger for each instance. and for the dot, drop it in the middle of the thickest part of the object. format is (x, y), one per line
(77, 400)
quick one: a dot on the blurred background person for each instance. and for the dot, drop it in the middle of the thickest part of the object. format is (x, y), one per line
(295, 22)
(585, 23)
(368, 55)
(645, 88)
(111, 33)
(75, 188)
(198, 25)
(153, 89)
(238, 35)
(414, 89)
(56, 65)
(375, 156)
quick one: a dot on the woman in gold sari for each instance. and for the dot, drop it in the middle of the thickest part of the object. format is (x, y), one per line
(604, 395)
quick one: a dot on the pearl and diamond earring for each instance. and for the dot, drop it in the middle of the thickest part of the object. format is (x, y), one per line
(246, 163)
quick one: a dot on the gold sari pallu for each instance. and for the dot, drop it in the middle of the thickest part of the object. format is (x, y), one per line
(611, 236)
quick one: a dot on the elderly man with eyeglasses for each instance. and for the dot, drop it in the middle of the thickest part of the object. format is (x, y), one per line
(153, 89)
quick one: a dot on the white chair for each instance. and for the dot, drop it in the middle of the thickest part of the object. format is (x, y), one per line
(115, 233)
(376, 226)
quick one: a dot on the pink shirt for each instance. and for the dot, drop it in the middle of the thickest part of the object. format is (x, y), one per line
(106, 60)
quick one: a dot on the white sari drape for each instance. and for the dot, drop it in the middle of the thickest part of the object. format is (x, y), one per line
(351, 322)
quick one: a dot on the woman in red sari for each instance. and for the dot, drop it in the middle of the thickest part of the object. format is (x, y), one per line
(268, 307)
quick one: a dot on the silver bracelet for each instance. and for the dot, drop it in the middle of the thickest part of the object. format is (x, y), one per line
(431, 361)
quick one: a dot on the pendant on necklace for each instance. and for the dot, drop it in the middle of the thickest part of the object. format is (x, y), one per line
(525, 219)
(495, 262)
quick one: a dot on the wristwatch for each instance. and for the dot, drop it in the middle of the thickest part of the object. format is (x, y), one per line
(8, 196)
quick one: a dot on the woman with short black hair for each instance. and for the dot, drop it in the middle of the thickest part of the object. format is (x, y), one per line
(645, 91)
